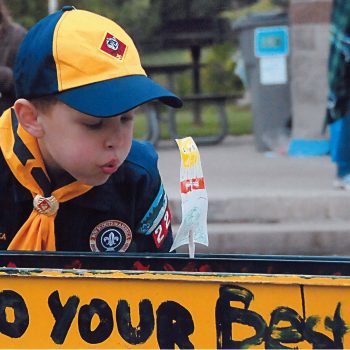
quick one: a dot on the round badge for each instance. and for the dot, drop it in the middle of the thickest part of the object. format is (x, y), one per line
(110, 236)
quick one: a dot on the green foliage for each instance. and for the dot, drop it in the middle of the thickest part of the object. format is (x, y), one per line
(26, 12)
(134, 15)
(218, 75)
(256, 7)
(180, 9)
(138, 17)
(281, 3)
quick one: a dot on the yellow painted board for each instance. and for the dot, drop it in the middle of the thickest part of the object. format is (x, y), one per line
(47, 309)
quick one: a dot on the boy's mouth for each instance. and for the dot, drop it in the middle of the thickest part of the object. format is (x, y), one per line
(110, 167)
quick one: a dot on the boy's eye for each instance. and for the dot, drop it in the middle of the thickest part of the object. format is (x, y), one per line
(94, 126)
(125, 118)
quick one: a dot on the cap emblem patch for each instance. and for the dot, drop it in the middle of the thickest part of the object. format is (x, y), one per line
(114, 47)
(110, 236)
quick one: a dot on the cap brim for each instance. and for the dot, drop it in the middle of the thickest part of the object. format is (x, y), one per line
(117, 96)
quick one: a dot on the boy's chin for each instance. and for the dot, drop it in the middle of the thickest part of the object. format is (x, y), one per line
(94, 182)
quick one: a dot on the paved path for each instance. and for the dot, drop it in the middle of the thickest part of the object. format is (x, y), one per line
(263, 202)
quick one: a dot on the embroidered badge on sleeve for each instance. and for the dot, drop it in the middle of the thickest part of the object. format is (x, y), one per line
(162, 229)
(157, 220)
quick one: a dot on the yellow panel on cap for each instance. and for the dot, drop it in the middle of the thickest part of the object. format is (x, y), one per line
(78, 38)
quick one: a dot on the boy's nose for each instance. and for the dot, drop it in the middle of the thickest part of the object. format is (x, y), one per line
(115, 138)
(113, 141)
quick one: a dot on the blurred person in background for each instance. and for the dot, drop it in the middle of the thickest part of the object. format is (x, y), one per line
(11, 35)
(338, 104)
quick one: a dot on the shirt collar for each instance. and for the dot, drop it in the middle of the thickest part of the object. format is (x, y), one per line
(99, 197)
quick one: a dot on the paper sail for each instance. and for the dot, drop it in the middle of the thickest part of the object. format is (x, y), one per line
(194, 198)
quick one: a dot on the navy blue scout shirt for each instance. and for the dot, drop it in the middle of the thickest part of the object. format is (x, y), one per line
(128, 213)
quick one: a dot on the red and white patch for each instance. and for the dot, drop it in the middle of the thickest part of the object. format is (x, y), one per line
(192, 184)
(162, 229)
(113, 46)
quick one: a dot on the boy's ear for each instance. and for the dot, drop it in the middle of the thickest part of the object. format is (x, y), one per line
(27, 115)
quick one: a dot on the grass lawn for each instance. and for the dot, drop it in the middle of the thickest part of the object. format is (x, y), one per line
(239, 122)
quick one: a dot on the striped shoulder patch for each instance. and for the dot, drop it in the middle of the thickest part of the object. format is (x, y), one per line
(155, 213)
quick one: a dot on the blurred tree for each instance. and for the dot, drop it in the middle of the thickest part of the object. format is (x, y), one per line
(281, 3)
(136, 16)
(240, 3)
(178, 9)
(218, 76)
(27, 13)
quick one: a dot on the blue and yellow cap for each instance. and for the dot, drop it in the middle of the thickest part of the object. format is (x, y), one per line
(89, 62)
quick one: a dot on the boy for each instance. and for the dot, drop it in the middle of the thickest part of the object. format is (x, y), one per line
(71, 177)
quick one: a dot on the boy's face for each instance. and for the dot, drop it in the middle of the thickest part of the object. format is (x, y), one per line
(89, 148)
